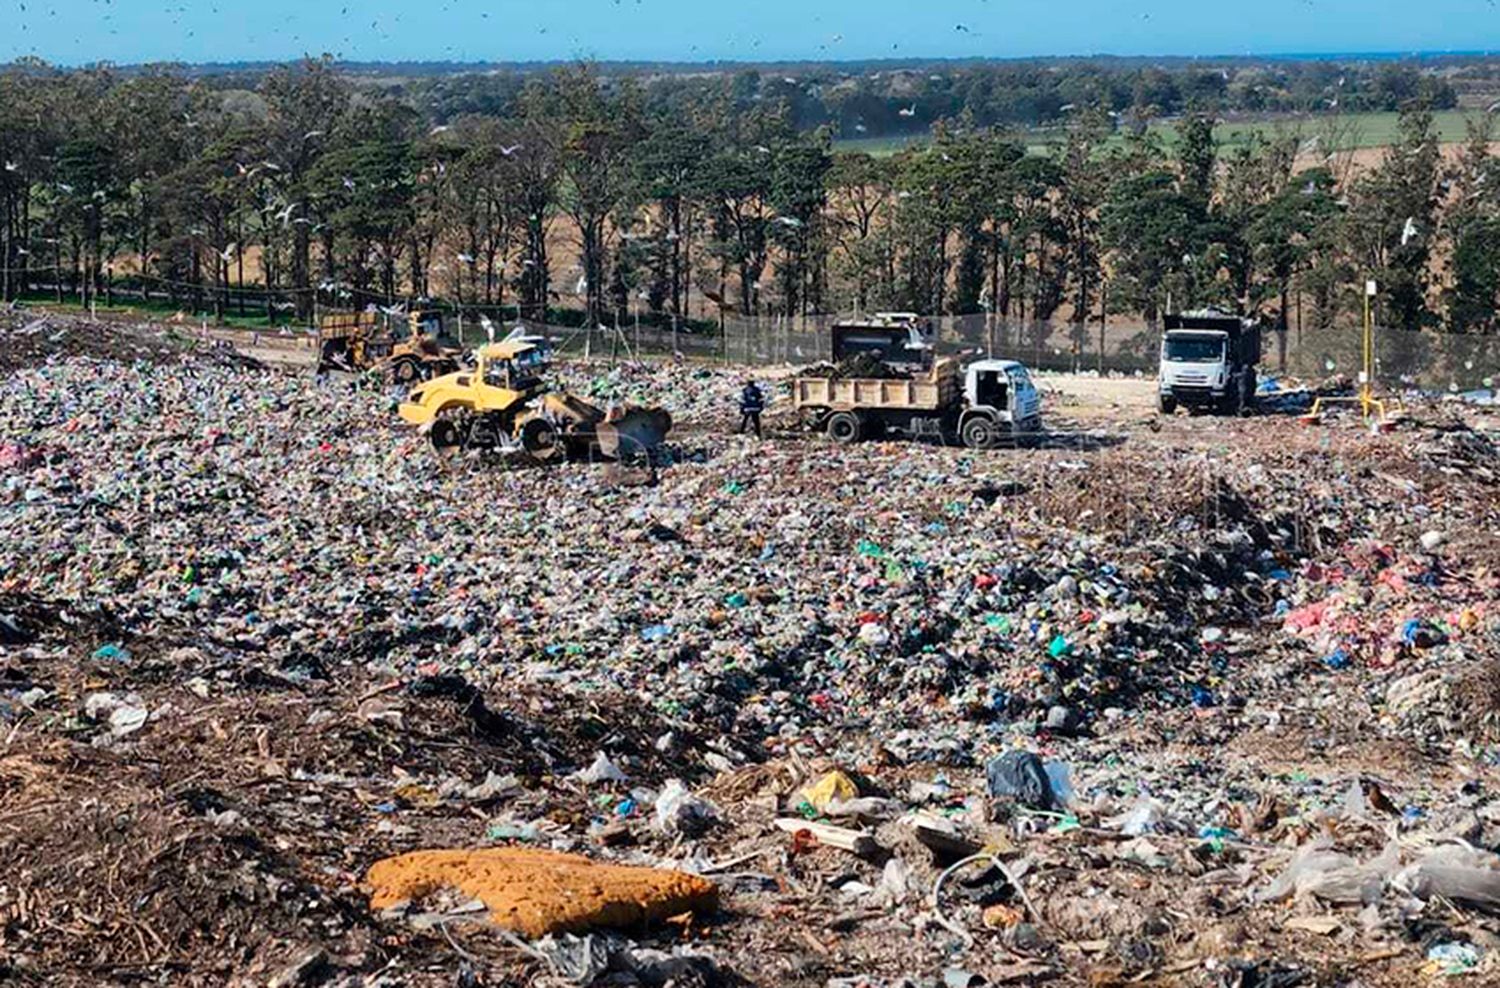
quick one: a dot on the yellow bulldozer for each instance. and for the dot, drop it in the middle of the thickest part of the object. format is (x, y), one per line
(504, 404)
(359, 341)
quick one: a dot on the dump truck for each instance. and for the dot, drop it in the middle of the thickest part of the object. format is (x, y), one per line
(1208, 362)
(415, 350)
(503, 403)
(980, 405)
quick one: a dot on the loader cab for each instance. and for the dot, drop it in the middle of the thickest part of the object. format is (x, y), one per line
(510, 366)
(428, 324)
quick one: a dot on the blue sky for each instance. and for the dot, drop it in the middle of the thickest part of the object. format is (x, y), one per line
(77, 31)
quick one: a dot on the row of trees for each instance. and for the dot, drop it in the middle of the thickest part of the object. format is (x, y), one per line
(879, 100)
(586, 194)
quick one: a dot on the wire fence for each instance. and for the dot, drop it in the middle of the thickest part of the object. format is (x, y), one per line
(1438, 361)
(1122, 346)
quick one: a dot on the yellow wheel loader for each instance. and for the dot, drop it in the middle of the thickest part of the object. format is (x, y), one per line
(503, 404)
(356, 342)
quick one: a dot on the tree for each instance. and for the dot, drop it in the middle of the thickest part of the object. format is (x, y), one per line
(306, 103)
(860, 192)
(1473, 229)
(667, 166)
(1083, 182)
(1283, 234)
(1153, 232)
(798, 193)
(1392, 219)
(600, 131)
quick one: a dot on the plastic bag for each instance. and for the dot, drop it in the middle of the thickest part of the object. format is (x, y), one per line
(1145, 817)
(1021, 776)
(679, 812)
(1320, 871)
(1462, 874)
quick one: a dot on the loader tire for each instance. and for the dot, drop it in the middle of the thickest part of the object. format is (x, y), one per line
(540, 441)
(406, 372)
(446, 436)
(1167, 404)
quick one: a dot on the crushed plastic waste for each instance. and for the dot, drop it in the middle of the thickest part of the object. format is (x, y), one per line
(1158, 696)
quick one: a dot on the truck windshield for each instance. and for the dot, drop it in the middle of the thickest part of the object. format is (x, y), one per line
(1194, 349)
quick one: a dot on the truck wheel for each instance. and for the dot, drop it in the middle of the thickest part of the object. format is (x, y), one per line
(845, 427)
(979, 434)
(539, 440)
(1167, 404)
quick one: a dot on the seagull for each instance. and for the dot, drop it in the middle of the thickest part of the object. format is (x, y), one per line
(64, 187)
(788, 221)
(510, 150)
(1409, 231)
(441, 130)
(348, 182)
(909, 111)
(762, 149)
(311, 134)
(11, 166)
(582, 286)
(466, 258)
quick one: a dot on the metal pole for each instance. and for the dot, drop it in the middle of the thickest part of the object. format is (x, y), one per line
(1366, 391)
(1103, 320)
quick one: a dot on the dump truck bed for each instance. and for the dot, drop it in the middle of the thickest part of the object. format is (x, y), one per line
(939, 388)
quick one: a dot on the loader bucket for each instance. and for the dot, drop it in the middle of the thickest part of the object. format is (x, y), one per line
(633, 435)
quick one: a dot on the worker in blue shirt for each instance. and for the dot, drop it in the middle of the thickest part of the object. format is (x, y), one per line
(752, 403)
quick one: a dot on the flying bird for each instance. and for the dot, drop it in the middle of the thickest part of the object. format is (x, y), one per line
(1409, 231)
(510, 150)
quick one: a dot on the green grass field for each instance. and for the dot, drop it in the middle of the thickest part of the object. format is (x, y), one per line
(1363, 130)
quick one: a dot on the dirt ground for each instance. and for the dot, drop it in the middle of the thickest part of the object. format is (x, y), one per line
(255, 637)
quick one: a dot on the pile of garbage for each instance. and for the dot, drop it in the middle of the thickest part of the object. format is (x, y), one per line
(860, 365)
(1216, 704)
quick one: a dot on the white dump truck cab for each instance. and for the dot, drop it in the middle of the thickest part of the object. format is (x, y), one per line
(1208, 361)
(999, 400)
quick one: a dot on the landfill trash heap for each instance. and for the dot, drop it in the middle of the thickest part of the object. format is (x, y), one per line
(287, 698)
